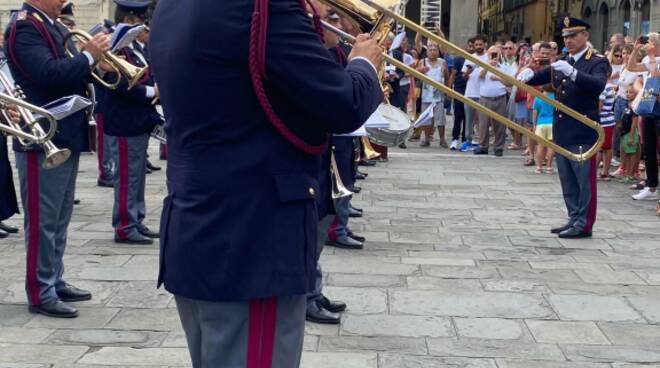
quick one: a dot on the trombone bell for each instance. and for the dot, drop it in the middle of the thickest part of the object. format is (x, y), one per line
(339, 190)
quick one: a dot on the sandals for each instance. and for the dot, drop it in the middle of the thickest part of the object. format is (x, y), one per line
(513, 147)
(549, 170)
(529, 162)
(538, 170)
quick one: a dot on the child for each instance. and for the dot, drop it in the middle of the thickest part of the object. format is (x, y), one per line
(630, 149)
(543, 116)
(607, 122)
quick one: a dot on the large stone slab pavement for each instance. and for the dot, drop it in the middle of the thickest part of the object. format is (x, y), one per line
(459, 271)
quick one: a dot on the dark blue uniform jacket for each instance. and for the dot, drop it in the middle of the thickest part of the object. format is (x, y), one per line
(581, 95)
(128, 112)
(45, 77)
(240, 218)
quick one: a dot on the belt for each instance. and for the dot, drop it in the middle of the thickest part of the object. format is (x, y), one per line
(493, 98)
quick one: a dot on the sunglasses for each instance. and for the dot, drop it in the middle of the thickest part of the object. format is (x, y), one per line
(618, 55)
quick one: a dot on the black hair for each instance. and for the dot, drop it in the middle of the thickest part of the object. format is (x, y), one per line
(121, 13)
(545, 45)
(479, 38)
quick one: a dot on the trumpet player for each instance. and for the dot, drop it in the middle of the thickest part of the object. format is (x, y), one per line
(35, 44)
(130, 116)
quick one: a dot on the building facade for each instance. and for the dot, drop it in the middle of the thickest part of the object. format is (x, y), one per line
(630, 17)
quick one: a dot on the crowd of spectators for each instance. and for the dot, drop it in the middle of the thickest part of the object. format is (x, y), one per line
(630, 151)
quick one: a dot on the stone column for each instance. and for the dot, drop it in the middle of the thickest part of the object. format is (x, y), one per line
(463, 21)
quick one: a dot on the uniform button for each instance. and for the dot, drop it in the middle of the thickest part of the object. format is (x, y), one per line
(560, 115)
(312, 192)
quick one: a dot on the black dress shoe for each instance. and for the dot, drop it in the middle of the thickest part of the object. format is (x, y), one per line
(573, 233)
(367, 163)
(149, 171)
(76, 202)
(557, 230)
(360, 176)
(138, 239)
(362, 173)
(356, 189)
(318, 314)
(330, 305)
(359, 238)
(148, 233)
(71, 293)
(353, 213)
(3, 234)
(152, 167)
(355, 208)
(403, 145)
(104, 183)
(499, 153)
(345, 242)
(55, 309)
(8, 228)
(481, 152)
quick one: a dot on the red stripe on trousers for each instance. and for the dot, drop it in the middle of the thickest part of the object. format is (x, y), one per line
(262, 320)
(593, 202)
(99, 144)
(332, 230)
(122, 146)
(33, 227)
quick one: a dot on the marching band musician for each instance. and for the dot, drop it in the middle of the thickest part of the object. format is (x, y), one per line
(106, 145)
(130, 116)
(238, 245)
(35, 45)
(583, 78)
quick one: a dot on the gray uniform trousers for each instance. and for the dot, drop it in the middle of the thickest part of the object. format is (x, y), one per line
(129, 209)
(47, 197)
(321, 229)
(497, 104)
(578, 185)
(258, 333)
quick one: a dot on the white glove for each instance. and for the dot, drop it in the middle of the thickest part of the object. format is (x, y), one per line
(565, 68)
(525, 75)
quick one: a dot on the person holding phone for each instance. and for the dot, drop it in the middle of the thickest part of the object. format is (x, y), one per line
(651, 64)
(492, 94)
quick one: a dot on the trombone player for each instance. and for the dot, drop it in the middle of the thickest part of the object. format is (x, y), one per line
(238, 230)
(579, 80)
(35, 46)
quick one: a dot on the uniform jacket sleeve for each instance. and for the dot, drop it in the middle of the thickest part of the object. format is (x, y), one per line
(136, 94)
(595, 80)
(337, 99)
(36, 58)
(540, 77)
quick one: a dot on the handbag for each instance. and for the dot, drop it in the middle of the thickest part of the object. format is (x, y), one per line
(648, 105)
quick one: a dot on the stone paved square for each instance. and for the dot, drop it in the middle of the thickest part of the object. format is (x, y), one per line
(459, 271)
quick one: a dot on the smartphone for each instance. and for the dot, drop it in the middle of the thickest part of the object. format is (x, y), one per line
(643, 40)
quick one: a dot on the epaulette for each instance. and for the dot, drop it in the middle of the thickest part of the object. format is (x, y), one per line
(590, 53)
(21, 15)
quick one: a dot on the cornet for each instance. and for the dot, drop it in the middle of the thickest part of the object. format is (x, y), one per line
(27, 130)
(123, 68)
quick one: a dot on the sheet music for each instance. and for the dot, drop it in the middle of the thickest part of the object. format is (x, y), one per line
(124, 35)
(66, 106)
(426, 117)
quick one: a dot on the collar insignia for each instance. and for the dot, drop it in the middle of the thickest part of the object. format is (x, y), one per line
(22, 15)
(567, 22)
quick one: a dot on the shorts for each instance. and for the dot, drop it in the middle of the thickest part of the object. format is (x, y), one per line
(609, 136)
(439, 118)
(630, 148)
(544, 131)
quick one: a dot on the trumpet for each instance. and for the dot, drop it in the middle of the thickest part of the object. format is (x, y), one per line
(27, 130)
(377, 17)
(121, 67)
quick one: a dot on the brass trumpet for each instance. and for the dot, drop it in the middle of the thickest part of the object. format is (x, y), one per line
(376, 17)
(27, 130)
(123, 68)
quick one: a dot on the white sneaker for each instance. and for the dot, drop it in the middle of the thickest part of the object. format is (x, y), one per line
(645, 193)
(454, 145)
(615, 162)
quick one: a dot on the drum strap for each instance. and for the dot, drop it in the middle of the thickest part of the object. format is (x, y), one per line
(257, 64)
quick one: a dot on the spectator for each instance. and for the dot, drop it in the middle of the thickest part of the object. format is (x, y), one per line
(608, 122)
(543, 115)
(471, 72)
(436, 69)
(650, 63)
(630, 138)
(520, 99)
(492, 95)
(458, 83)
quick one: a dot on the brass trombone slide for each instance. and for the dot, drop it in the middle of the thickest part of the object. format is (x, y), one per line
(581, 156)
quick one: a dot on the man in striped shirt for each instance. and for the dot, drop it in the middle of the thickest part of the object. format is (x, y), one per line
(608, 123)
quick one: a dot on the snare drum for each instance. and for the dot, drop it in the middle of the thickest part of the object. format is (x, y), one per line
(398, 131)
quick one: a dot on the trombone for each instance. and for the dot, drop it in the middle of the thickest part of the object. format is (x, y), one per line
(121, 67)
(339, 190)
(30, 132)
(380, 20)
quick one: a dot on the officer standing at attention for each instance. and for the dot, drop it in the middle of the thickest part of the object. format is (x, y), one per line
(130, 116)
(582, 77)
(34, 42)
(246, 125)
